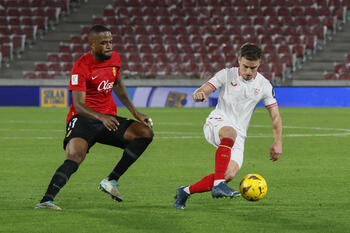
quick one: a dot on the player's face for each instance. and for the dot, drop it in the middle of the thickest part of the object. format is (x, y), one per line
(102, 46)
(248, 68)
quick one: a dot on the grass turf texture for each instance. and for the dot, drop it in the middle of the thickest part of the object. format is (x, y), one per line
(308, 188)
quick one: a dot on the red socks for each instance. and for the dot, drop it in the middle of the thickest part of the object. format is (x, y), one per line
(203, 185)
(222, 158)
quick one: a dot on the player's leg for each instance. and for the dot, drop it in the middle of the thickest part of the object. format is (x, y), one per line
(231, 171)
(134, 137)
(75, 154)
(227, 135)
(214, 133)
(80, 136)
(139, 136)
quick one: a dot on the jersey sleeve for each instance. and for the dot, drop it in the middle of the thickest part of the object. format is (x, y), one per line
(78, 77)
(269, 98)
(217, 80)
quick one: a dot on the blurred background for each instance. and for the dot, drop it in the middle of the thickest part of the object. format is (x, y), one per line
(173, 43)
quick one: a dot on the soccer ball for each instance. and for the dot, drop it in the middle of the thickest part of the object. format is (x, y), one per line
(253, 187)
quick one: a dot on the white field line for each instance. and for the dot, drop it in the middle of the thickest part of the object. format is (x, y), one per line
(189, 135)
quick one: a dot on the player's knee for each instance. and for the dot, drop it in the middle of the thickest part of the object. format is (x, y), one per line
(146, 132)
(75, 154)
(227, 132)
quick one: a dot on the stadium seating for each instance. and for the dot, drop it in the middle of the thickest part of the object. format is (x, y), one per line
(341, 70)
(23, 21)
(195, 36)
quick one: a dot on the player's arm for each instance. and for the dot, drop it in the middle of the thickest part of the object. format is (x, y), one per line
(120, 90)
(276, 147)
(110, 122)
(200, 95)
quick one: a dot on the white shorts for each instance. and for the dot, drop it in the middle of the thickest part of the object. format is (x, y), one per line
(211, 132)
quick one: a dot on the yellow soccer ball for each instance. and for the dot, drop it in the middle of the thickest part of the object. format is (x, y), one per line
(253, 187)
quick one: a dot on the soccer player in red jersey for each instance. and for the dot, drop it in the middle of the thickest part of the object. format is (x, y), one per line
(93, 117)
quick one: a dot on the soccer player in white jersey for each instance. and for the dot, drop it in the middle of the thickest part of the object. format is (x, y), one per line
(241, 89)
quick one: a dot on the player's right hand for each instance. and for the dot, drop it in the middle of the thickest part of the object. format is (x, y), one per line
(199, 97)
(110, 122)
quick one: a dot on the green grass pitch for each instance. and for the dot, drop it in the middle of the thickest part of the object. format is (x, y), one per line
(308, 188)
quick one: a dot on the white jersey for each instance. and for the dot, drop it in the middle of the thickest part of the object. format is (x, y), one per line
(238, 98)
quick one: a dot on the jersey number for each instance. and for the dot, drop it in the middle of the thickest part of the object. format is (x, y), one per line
(72, 123)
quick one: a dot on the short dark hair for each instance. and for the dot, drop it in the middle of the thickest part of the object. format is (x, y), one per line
(250, 51)
(98, 28)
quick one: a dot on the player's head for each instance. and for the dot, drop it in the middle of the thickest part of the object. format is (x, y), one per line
(100, 40)
(249, 60)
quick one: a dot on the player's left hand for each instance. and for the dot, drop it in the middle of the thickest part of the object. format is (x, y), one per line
(144, 119)
(275, 151)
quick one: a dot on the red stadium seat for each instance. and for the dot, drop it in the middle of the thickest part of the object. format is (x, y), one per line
(170, 40)
(29, 75)
(164, 69)
(134, 58)
(162, 58)
(278, 69)
(299, 50)
(78, 48)
(174, 58)
(199, 48)
(265, 39)
(269, 48)
(272, 58)
(224, 39)
(172, 48)
(65, 48)
(141, 30)
(145, 48)
(131, 48)
(142, 39)
(282, 11)
(183, 39)
(66, 57)
(330, 76)
(150, 69)
(54, 66)
(218, 58)
(158, 48)
(67, 66)
(41, 67)
(192, 69)
(340, 68)
(147, 58)
(297, 11)
(345, 76)
(108, 11)
(283, 49)
(185, 48)
(53, 57)
(136, 68)
(129, 40)
(264, 68)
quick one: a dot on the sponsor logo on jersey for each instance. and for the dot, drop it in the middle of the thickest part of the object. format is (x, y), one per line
(233, 84)
(74, 79)
(105, 86)
(94, 77)
(256, 91)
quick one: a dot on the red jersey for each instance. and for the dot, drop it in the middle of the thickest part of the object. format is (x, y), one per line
(96, 79)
